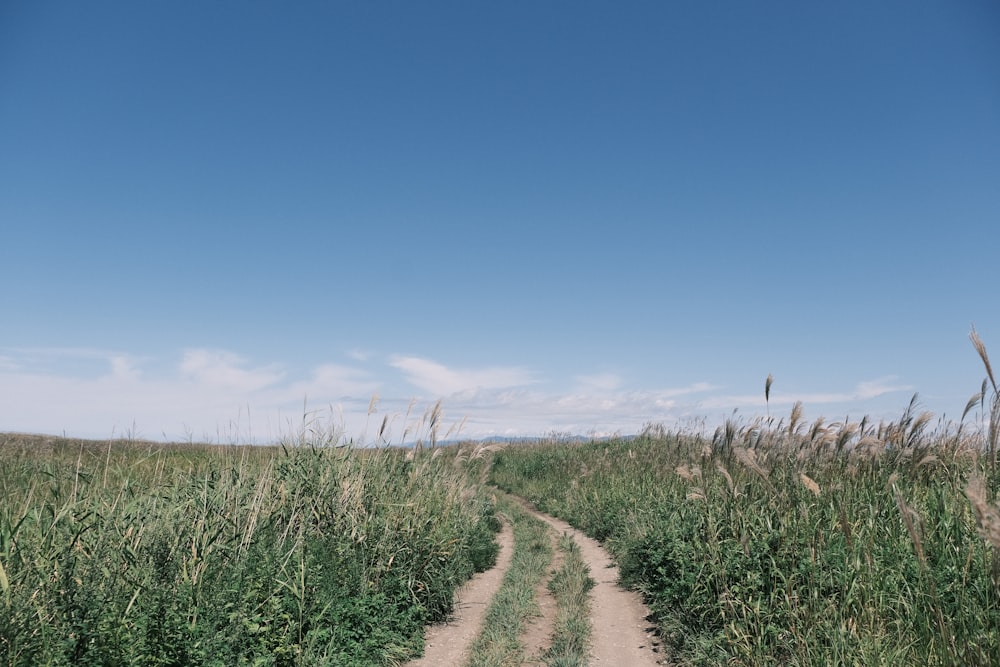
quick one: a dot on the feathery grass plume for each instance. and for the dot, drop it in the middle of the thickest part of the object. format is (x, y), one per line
(810, 484)
(975, 398)
(482, 450)
(688, 472)
(977, 342)
(724, 435)
(406, 418)
(994, 429)
(767, 393)
(987, 516)
(917, 428)
(729, 479)
(845, 434)
(795, 418)
(747, 458)
(382, 428)
(434, 422)
(817, 429)
(910, 518)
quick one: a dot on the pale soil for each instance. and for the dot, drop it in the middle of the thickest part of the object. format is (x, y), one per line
(621, 636)
(447, 644)
(537, 637)
(620, 633)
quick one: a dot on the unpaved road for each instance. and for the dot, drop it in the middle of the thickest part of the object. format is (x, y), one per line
(447, 644)
(621, 636)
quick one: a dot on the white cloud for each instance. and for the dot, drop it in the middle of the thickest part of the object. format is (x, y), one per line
(334, 381)
(600, 381)
(124, 368)
(438, 380)
(522, 411)
(206, 392)
(880, 386)
(865, 390)
(218, 368)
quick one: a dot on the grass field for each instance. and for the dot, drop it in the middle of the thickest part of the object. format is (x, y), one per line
(773, 542)
(126, 553)
(781, 543)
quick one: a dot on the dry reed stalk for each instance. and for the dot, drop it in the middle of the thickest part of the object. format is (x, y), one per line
(987, 516)
(975, 398)
(868, 447)
(688, 472)
(927, 460)
(810, 484)
(911, 519)
(434, 422)
(994, 429)
(795, 418)
(748, 458)
(729, 479)
(977, 342)
(845, 435)
(456, 428)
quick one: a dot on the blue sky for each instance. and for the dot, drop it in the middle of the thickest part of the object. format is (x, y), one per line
(553, 216)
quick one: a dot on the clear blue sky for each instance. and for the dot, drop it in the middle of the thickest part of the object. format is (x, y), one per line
(555, 216)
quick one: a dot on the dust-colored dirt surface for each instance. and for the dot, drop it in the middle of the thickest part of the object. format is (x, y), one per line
(621, 636)
(537, 637)
(447, 644)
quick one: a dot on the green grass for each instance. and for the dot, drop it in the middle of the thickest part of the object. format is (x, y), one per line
(787, 543)
(124, 553)
(499, 644)
(570, 585)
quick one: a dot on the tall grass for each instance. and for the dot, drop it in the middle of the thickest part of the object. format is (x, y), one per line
(570, 585)
(784, 542)
(499, 641)
(125, 553)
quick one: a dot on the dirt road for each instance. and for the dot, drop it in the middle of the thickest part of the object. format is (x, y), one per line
(447, 644)
(621, 635)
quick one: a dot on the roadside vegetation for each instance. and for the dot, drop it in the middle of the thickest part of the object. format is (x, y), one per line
(784, 542)
(773, 542)
(514, 605)
(570, 584)
(125, 553)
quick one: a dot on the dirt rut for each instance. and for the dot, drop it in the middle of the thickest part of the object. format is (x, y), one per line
(620, 636)
(447, 644)
(620, 633)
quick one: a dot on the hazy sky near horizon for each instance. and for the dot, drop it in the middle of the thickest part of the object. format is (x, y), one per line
(552, 216)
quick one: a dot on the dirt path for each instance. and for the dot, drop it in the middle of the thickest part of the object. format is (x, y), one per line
(447, 644)
(537, 637)
(621, 635)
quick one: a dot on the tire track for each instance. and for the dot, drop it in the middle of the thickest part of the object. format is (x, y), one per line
(447, 644)
(620, 634)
